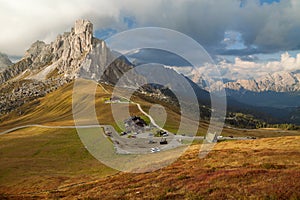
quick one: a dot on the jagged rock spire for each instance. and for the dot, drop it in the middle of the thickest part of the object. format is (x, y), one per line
(72, 54)
(83, 29)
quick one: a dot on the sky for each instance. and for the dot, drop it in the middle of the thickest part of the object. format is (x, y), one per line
(243, 29)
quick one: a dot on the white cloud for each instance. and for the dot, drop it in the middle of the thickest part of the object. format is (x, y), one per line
(270, 27)
(241, 69)
(24, 22)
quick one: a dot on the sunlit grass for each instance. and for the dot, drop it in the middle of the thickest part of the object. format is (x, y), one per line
(33, 154)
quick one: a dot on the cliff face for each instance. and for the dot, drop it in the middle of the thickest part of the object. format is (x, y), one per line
(72, 48)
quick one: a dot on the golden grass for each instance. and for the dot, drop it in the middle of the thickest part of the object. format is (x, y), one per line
(224, 174)
(42, 158)
(259, 169)
(56, 109)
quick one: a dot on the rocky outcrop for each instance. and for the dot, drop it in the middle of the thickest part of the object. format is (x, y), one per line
(73, 48)
(18, 93)
(4, 62)
(15, 70)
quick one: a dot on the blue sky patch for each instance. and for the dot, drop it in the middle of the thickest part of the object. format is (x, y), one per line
(268, 1)
(105, 33)
(261, 2)
(130, 22)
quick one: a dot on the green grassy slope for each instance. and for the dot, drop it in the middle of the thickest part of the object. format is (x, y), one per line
(53, 163)
(45, 159)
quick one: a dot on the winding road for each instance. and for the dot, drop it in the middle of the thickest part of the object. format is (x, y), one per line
(86, 126)
(140, 108)
(44, 126)
(95, 126)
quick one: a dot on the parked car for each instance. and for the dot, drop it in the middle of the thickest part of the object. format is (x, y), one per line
(162, 133)
(157, 149)
(154, 150)
(165, 134)
(163, 141)
(123, 133)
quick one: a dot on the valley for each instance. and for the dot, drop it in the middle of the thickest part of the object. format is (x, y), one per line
(56, 159)
(69, 130)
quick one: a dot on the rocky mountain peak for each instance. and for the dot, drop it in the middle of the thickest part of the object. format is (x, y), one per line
(46, 67)
(83, 26)
(83, 30)
(65, 55)
(4, 61)
(71, 55)
(35, 49)
(277, 82)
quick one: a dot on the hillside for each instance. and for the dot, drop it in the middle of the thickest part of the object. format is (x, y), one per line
(56, 109)
(261, 166)
(41, 163)
(57, 160)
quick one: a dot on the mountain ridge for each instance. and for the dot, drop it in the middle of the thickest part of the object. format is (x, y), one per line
(46, 67)
(73, 54)
(4, 62)
(277, 82)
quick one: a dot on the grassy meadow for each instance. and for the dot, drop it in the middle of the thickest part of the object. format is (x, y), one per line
(53, 163)
(48, 163)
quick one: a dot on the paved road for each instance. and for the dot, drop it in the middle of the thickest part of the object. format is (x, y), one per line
(44, 126)
(140, 108)
(184, 137)
(151, 119)
(140, 144)
(137, 145)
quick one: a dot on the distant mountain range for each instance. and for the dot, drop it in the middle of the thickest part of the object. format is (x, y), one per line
(279, 90)
(277, 82)
(274, 96)
(75, 54)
